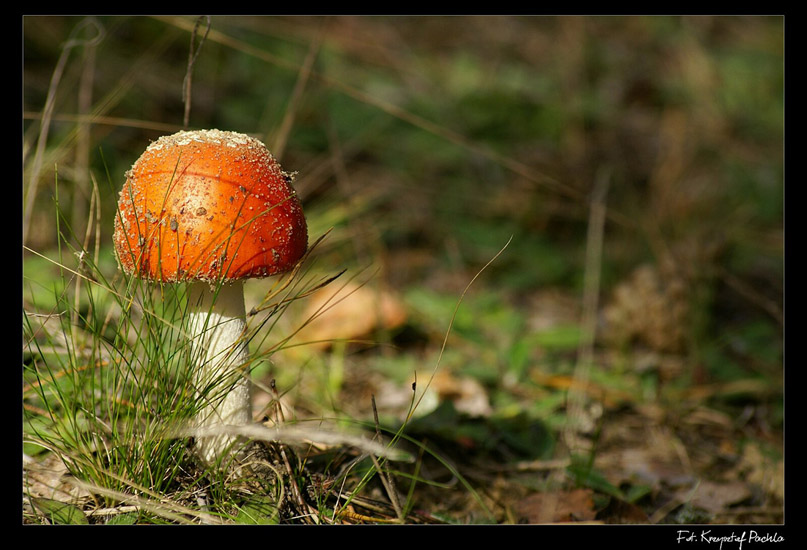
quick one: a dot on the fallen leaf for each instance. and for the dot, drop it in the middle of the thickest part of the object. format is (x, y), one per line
(348, 312)
(715, 497)
(467, 394)
(758, 469)
(621, 512)
(557, 507)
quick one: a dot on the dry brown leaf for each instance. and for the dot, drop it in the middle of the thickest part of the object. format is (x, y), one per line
(348, 312)
(766, 472)
(467, 394)
(655, 461)
(558, 507)
(620, 512)
(715, 497)
(610, 397)
(49, 478)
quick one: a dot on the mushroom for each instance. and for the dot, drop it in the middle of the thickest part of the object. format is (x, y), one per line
(211, 208)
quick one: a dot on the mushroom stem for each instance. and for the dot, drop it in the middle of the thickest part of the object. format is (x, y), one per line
(217, 326)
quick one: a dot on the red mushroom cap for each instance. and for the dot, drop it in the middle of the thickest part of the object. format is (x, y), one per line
(208, 205)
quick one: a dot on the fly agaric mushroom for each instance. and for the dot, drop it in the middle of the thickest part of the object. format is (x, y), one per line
(211, 208)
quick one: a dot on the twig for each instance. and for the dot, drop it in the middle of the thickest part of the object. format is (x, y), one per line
(152, 503)
(591, 290)
(82, 152)
(295, 489)
(532, 465)
(50, 102)
(282, 136)
(279, 416)
(293, 435)
(193, 53)
(386, 479)
(451, 325)
(106, 512)
(748, 292)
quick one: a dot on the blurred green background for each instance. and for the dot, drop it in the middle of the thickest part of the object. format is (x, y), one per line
(426, 143)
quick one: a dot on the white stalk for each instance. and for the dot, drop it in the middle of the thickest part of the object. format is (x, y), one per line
(217, 326)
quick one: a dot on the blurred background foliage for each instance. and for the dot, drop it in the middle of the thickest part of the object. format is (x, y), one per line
(426, 143)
